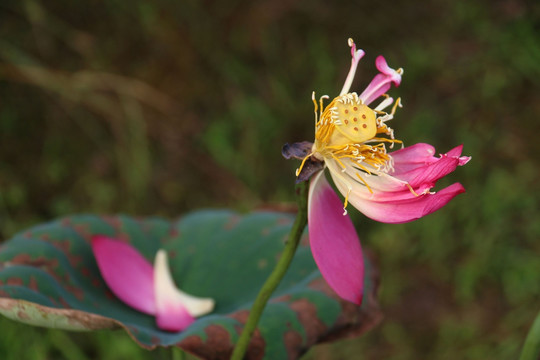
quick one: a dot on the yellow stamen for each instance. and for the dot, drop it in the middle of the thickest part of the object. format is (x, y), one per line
(396, 104)
(316, 108)
(339, 161)
(345, 130)
(365, 183)
(303, 163)
(412, 190)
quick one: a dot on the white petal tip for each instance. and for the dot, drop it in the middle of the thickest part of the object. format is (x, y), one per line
(200, 306)
(464, 160)
(166, 291)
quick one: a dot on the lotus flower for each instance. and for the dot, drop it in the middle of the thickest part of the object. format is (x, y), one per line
(149, 290)
(350, 140)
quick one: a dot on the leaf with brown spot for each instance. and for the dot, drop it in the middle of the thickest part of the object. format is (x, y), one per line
(49, 277)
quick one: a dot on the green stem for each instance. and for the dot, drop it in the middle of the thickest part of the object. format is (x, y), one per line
(178, 354)
(277, 274)
(531, 347)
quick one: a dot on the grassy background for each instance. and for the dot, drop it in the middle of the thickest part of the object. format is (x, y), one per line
(162, 107)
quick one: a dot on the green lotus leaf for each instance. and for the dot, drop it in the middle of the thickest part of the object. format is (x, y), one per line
(49, 277)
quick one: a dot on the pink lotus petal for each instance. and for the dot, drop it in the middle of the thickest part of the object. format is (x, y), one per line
(430, 173)
(334, 242)
(402, 211)
(383, 67)
(404, 194)
(380, 183)
(413, 156)
(127, 273)
(172, 314)
(421, 154)
(381, 187)
(173, 317)
(417, 166)
(384, 188)
(378, 86)
(150, 290)
(381, 82)
(456, 152)
(464, 160)
(383, 183)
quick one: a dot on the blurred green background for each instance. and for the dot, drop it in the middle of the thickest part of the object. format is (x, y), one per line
(161, 107)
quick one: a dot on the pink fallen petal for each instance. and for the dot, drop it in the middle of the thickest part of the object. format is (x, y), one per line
(150, 290)
(171, 313)
(334, 242)
(173, 317)
(402, 211)
(127, 273)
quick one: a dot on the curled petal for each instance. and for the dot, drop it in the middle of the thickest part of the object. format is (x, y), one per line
(334, 242)
(127, 273)
(164, 284)
(413, 156)
(399, 211)
(419, 155)
(456, 152)
(425, 169)
(414, 167)
(382, 66)
(382, 187)
(429, 174)
(381, 82)
(405, 195)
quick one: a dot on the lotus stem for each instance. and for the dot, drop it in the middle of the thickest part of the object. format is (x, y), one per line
(277, 274)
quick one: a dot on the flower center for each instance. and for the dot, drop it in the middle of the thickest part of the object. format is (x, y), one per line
(344, 129)
(353, 120)
(346, 132)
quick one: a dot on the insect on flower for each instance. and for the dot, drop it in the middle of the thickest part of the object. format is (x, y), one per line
(351, 140)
